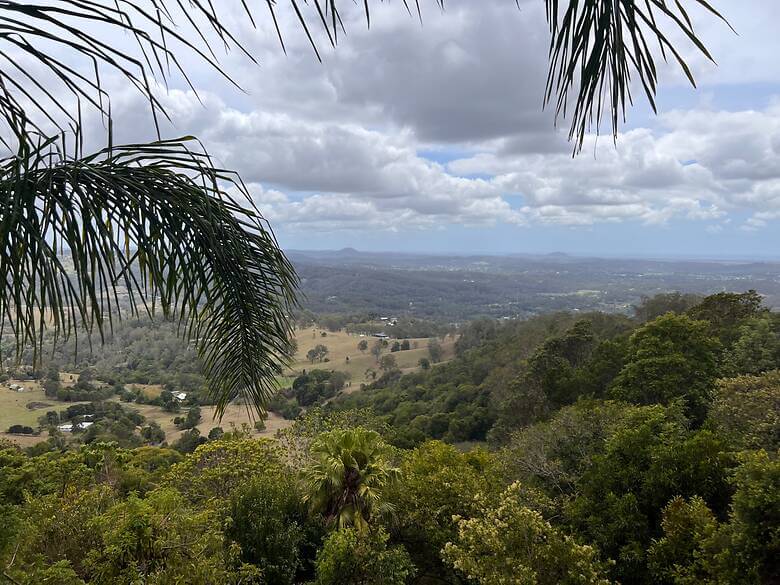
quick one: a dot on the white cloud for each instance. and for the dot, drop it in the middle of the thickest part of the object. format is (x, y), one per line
(335, 145)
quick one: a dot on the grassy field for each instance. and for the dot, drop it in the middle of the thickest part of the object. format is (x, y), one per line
(15, 406)
(234, 415)
(24, 408)
(342, 345)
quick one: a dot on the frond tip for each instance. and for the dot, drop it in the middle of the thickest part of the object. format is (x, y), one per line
(597, 45)
(149, 228)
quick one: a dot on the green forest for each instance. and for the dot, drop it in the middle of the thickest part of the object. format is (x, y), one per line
(566, 448)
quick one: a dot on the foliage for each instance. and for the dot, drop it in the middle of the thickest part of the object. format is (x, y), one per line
(349, 477)
(598, 48)
(317, 354)
(695, 548)
(488, 388)
(649, 458)
(350, 557)
(651, 308)
(726, 312)
(219, 468)
(296, 440)
(157, 539)
(317, 386)
(675, 557)
(510, 543)
(554, 455)
(437, 483)
(435, 351)
(388, 363)
(745, 411)
(269, 522)
(756, 349)
(671, 357)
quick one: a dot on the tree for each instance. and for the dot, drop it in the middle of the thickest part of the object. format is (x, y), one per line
(647, 459)
(153, 433)
(349, 476)
(437, 484)
(676, 557)
(511, 543)
(424, 363)
(269, 521)
(668, 358)
(377, 349)
(695, 548)
(675, 302)
(435, 350)
(388, 363)
(163, 209)
(191, 420)
(727, 312)
(318, 353)
(351, 557)
(405, 346)
(745, 412)
(218, 469)
(756, 350)
(362, 346)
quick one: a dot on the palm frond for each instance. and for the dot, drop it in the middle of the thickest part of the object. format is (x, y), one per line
(148, 227)
(597, 46)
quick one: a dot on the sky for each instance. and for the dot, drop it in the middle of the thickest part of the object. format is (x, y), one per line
(432, 137)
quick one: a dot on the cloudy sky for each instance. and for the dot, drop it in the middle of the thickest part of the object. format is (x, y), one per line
(433, 138)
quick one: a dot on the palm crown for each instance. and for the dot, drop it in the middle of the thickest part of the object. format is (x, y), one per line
(349, 477)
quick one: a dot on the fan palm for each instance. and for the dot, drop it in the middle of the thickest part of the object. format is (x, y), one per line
(155, 224)
(349, 476)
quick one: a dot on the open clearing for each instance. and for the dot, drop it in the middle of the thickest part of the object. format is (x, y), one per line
(342, 345)
(14, 409)
(235, 416)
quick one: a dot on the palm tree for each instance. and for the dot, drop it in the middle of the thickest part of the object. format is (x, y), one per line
(349, 476)
(158, 227)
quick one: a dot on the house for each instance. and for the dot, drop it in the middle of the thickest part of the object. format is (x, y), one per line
(381, 335)
(180, 396)
(68, 427)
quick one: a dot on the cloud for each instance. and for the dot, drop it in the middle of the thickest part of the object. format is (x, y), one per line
(336, 145)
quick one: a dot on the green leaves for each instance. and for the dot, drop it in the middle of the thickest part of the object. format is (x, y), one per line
(596, 47)
(148, 227)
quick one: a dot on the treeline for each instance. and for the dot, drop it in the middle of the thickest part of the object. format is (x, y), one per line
(514, 374)
(370, 322)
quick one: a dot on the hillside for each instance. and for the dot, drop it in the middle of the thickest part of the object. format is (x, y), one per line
(635, 451)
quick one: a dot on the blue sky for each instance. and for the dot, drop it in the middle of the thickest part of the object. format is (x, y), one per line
(433, 139)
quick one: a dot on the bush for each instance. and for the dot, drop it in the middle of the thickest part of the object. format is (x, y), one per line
(270, 523)
(349, 557)
(21, 430)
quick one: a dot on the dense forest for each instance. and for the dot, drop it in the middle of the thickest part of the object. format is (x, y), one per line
(566, 448)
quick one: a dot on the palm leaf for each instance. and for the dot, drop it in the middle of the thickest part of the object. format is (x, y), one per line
(596, 46)
(149, 227)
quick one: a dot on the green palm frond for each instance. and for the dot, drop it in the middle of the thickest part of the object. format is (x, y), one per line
(349, 477)
(598, 47)
(148, 227)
